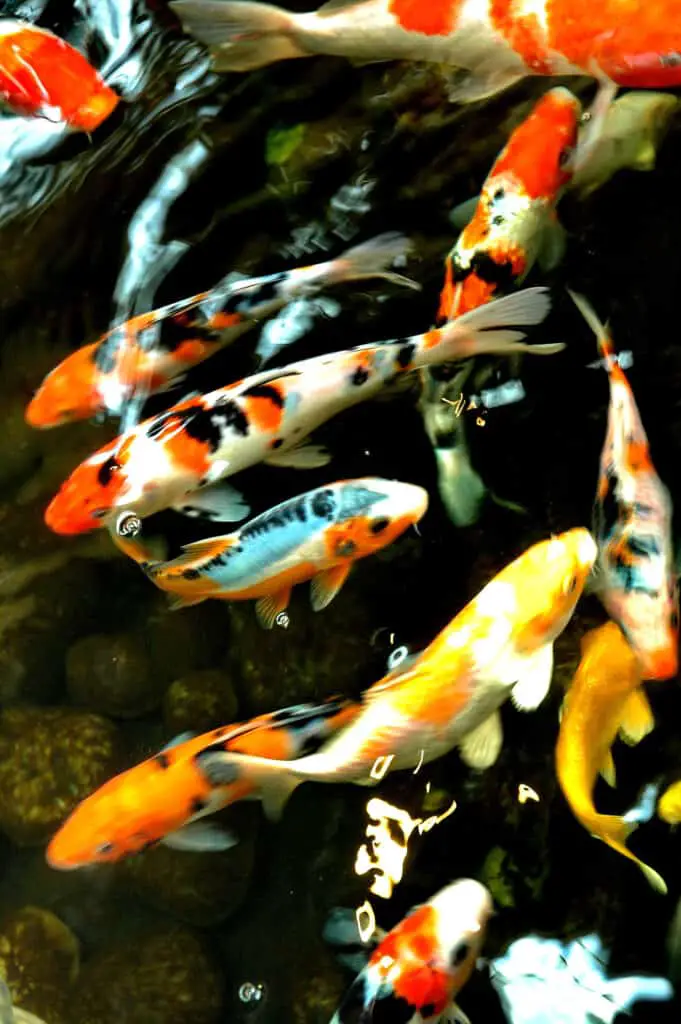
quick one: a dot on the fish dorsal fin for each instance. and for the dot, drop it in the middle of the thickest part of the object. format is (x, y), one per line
(205, 549)
(335, 6)
(183, 737)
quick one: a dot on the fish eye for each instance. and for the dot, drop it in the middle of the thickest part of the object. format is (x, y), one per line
(379, 525)
(459, 954)
(104, 849)
(566, 154)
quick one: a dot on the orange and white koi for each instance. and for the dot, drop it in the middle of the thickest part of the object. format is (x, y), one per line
(493, 43)
(514, 221)
(316, 536)
(418, 969)
(604, 698)
(170, 459)
(163, 799)
(151, 352)
(499, 645)
(42, 76)
(635, 576)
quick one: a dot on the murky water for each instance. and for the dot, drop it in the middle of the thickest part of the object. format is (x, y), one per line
(196, 175)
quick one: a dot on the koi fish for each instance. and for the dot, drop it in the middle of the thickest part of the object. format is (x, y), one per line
(105, 375)
(42, 76)
(499, 645)
(492, 43)
(635, 576)
(163, 799)
(417, 970)
(514, 221)
(316, 536)
(169, 459)
(604, 699)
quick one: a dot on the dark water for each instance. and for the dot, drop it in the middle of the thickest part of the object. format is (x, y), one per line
(171, 937)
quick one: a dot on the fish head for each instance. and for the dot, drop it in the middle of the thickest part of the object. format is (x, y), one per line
(87, 498)
(431, 953)
(101, 102)
(537, 155)
(67, 393)
(370, 514)
(463, 910)
(548, 580)
(100, 830)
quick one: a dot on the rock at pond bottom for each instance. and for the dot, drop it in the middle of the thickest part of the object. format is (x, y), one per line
(161, 979)
(39, 959)
(113, 674)
(201, 889)
(50, 760)
(198, 702)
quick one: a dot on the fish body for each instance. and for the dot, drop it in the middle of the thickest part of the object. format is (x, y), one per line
(499, 645)
(492, 42)
(162, 799)
(418, 969)
(151, 351)
(635, 576)
(514, 220)
(316, 536)
(42, 76)
(162, 461)
(604, 698)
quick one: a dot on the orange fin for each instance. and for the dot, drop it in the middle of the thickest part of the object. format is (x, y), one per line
(270, 607)
(206, 549)
(637, 718)
(325, 585)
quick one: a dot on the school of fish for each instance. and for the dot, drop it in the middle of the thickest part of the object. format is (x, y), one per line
(500, 644)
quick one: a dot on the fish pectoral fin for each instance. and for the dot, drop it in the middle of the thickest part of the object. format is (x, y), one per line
(179, 601)
(481, 747)
(533, 685)
(303, 456)
(200, 837)
(325, 585)
(553, 245)
(270, 607)
(462, 214)
(453, 1014)
(218, 503)
(607, 770)
(637, 718)
(464, 86)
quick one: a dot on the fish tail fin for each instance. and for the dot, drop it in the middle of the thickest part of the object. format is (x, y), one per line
(242, 35)
(373, 258)
(480, 330)
(615, 830)
(606, 348)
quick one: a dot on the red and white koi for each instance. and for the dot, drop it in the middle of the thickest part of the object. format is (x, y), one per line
(167, 460)
(499, 645)
(151, 352)
(420, 966)
(42, 76)
(316, 536)
(493, 43)
(165, 798)
(635, 576)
